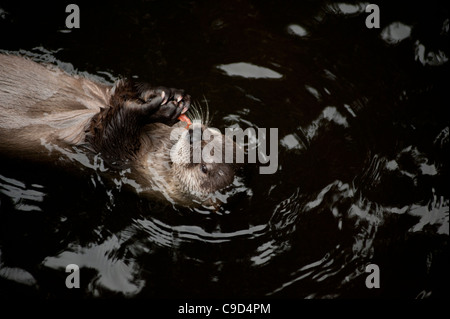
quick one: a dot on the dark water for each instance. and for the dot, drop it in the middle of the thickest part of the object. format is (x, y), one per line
(363, 128)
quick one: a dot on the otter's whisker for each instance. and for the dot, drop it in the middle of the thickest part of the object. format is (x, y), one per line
(207, 110)
(196, 112)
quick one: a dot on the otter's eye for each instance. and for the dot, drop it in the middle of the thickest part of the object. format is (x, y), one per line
(204, 168)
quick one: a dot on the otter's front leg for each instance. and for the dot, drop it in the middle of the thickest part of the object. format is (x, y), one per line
(161, 105)
(115, 132)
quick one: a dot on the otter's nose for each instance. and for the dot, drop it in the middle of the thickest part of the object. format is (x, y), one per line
(194, 135)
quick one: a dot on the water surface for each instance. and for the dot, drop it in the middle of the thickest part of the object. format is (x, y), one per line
(363, 153)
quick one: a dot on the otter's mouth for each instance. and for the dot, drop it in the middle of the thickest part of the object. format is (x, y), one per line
(197, 161)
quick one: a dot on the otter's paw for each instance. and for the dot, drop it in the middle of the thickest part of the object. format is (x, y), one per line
(164, 105)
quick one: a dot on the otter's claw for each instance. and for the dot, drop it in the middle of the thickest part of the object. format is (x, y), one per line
(172, 106)
(162, 104)
(163, 97)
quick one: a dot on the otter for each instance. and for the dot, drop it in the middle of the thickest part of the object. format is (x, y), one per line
(46, 113)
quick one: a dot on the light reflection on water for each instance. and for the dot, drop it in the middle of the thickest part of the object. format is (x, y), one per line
(249, 71)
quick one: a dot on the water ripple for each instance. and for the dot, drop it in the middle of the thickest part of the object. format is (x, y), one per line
(24, 198)
(167, 235)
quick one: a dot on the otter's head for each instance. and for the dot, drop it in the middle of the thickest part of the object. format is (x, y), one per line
(203, 160)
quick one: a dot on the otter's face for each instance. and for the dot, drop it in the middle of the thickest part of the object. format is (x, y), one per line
(199, 160)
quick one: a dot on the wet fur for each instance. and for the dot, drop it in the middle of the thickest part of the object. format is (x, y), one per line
(42, 105)
(39, 102)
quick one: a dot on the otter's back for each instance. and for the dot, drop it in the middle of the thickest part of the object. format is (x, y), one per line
(40, 103)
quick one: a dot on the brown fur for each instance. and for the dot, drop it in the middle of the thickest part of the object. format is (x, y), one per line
(43, 109)
(39, 102)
